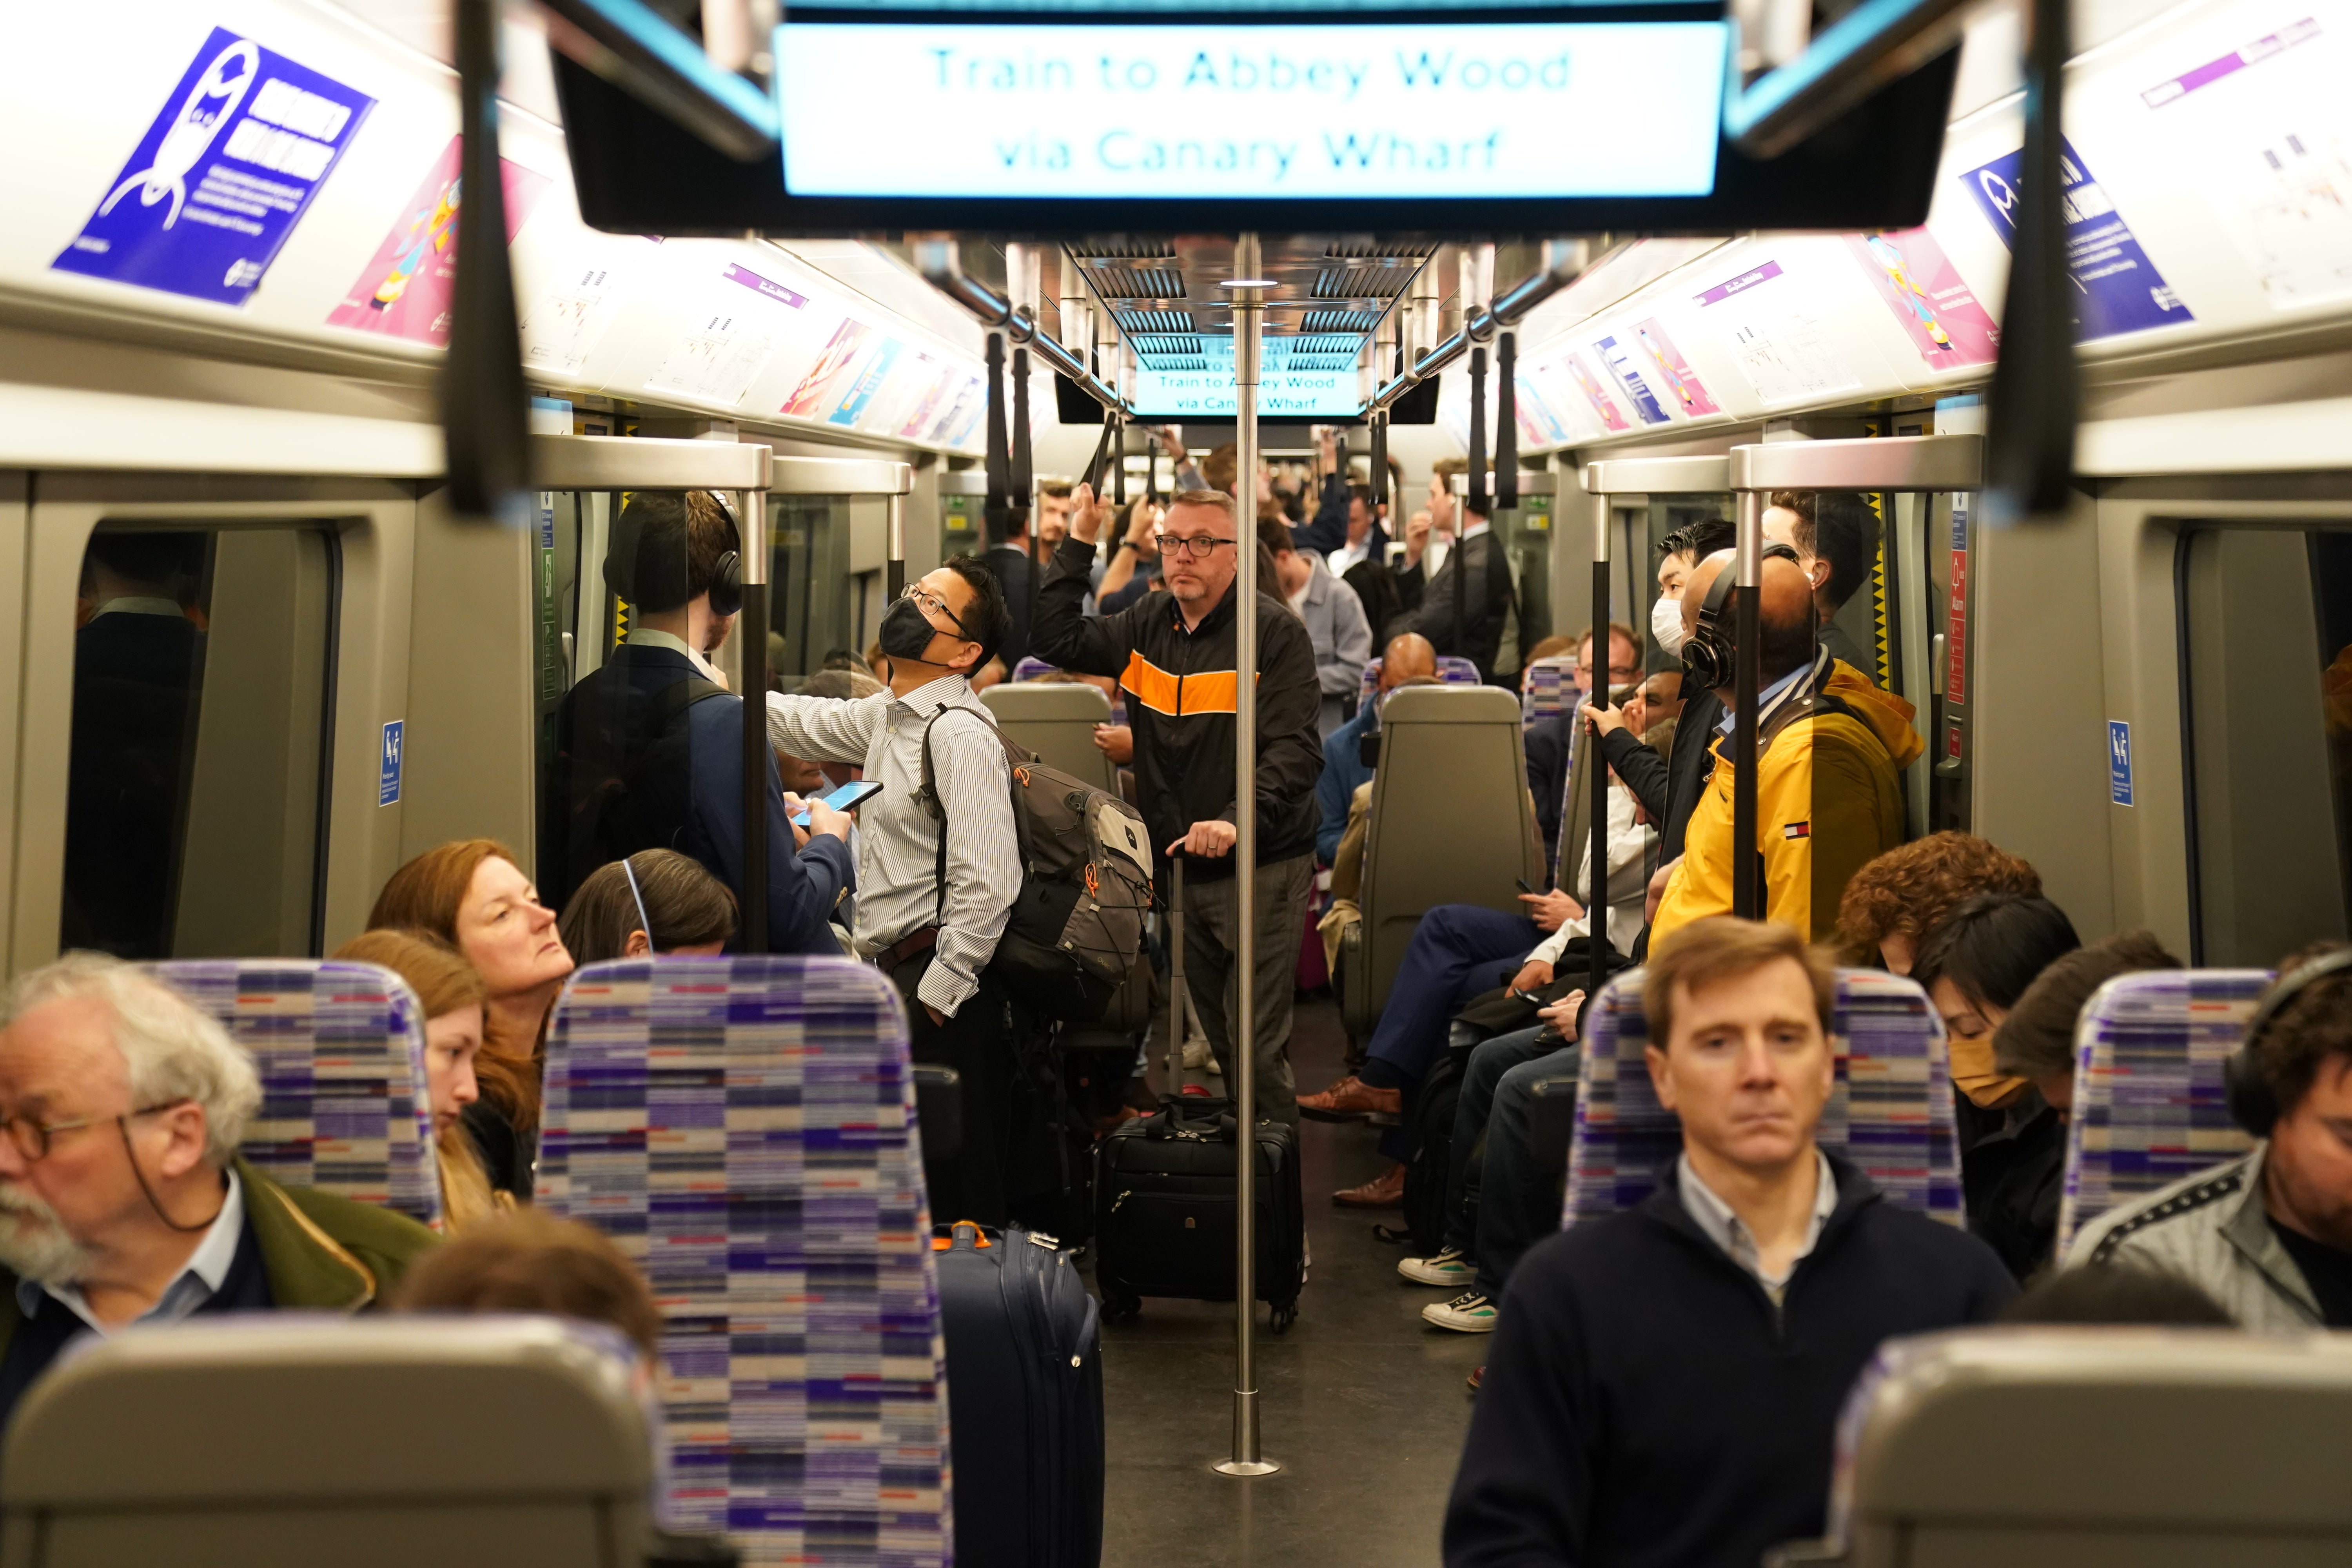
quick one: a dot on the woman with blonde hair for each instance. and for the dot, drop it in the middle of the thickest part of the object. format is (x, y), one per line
(473, 895)
(453, 999)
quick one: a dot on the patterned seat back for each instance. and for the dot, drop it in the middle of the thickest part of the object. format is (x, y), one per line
(1549, 687)
(2148, 1102)
(1890, 1111)
(1030, 667)
(1452, 671)
(341, 1048)
(744, 1129)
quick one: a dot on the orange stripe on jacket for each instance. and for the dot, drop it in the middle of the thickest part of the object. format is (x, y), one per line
(1210, 692)
(1150, 685)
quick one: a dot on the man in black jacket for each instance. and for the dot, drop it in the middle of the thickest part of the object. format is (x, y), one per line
(1457, 627)
(1665, 1382)
(1175, 655)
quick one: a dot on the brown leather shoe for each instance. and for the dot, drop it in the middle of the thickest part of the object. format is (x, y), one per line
(1350, 1100)
(1477, 1378)
(1385, 1190)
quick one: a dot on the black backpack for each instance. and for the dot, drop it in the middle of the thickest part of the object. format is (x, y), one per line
(1075, 933)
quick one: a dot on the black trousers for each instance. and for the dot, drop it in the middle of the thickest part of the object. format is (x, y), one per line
(977, 1043)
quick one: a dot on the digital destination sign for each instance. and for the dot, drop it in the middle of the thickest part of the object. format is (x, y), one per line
(1294, 383)
(1202, 109)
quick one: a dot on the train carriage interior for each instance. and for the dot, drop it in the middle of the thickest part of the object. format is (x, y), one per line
(450, 446)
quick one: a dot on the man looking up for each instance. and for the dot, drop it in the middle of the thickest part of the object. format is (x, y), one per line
(122, 1197)
(2269, 1234)
(1665, 1382)
(934, 934)
(1827, 797)
(1175, 657)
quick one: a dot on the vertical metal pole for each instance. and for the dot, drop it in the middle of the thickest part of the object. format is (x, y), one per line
(1596, 911)
(1249, 321)
(751, 518)
(1747, 862)
(895, 570)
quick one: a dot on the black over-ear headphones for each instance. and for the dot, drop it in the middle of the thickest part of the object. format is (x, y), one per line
(1708, 657)
(669, 584)
(2253, 1103)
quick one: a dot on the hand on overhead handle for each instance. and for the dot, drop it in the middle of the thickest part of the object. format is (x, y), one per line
(1086, 513)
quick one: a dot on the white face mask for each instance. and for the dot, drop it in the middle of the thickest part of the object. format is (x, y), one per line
(1666, 624)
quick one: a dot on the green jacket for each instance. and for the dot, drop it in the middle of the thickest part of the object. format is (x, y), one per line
(322, 1253)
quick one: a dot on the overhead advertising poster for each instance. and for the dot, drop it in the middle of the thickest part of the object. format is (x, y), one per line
(1939, 311)
(584, 293)
(226, 169)
(869, 381)
(1540, 424)
(405, 289)
(1603, 404)
(1675, 371)
(730, 334)
(932, 380)
(1145, 109)
(2116, 287)
(831, 365)
(2264, 131)
(1775, 333)
(960, 424)
(1617, 354)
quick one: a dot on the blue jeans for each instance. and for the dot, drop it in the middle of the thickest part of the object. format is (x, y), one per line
(1458, 953)
(1519, 1200)
(1488, 1063)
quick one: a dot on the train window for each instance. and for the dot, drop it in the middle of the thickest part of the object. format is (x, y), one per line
(196, 787)
(817, 606)
(2266, 619)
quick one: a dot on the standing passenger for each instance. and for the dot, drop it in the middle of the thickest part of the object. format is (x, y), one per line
(1665, 1382)
(939, 863)
(1176, 657)
(649, 755)
(1334, 618)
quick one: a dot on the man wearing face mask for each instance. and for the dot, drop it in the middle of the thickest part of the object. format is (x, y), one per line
(938, 869)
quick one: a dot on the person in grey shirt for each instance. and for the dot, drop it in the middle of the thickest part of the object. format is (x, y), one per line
(931, 919)
(1334, 617)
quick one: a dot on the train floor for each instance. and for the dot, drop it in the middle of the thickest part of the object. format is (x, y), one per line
(1362, 1403)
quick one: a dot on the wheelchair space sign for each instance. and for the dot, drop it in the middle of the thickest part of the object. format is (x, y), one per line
(387, 787)
(2119, 762)
(224, 172)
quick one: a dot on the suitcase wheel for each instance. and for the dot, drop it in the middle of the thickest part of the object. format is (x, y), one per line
(1283, 1317)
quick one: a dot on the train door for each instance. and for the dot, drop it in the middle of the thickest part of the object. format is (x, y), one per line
(211, 712)
(1648, 499)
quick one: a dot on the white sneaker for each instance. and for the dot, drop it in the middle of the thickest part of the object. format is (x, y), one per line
(1468, 1313)
(1449, 1268)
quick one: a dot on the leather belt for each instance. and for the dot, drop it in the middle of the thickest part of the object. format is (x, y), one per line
(891, 957)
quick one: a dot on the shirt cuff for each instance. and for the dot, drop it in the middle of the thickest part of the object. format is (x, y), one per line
(944, 989)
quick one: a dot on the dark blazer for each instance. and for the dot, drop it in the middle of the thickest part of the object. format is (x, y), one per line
(1482, 616)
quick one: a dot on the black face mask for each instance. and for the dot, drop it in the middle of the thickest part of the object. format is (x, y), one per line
(906, 633)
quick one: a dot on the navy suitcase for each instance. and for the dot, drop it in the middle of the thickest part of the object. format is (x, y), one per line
(1025, 1401)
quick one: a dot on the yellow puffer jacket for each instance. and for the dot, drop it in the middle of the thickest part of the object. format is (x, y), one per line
(1827, 800)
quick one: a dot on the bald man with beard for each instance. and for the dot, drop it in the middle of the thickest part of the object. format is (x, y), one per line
(1830, 747)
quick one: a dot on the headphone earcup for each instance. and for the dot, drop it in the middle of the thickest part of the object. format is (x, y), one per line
(2248, 1094)
(727, 584)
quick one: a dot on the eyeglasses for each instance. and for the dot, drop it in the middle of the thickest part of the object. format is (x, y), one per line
(930, 604)
(1198, 548)
(31, 1138)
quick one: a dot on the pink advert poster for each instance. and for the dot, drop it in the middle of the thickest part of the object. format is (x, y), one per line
(405, 290)
(1936, 306)
(1674, 370)
(847, 339)
(1602, 403)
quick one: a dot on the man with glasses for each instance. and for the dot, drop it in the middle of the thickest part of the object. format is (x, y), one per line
(122, 1197)
(937, 870)
(1175, 657)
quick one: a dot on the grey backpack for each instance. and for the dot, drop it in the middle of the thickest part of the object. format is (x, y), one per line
(1076, 932)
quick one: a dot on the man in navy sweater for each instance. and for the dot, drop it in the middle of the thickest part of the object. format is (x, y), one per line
(1665, 1382)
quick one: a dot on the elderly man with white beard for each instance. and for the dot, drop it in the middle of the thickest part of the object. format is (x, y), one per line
(122, 1197)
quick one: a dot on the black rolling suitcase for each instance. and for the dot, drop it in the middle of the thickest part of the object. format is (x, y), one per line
(1164, 1210)
(1025, 1401)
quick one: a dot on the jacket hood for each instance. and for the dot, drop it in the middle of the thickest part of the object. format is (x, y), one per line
(1888, 716)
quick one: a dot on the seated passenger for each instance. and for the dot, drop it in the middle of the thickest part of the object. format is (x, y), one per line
(472, 895)
(1406, 661)
(1974, 967)
(2116, 1294)
(2269, 1234)
(1665, 1382)
(454, 998)
(125, 1201)
(1894, 901)
(1830, 746)
(529, 1261)
(1555, 760)
(1334, 617)
(2036, 1042)
(1666, 777)
(656, 901)
(649, 755)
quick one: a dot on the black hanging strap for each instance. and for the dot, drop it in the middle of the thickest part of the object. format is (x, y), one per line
(2035, 394)
(1506, 424)
(1118, 468)
(1025, 481)
(1102, 455)
(1380, 459)
(484, 403)
(1477, 440)
(998, 508)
